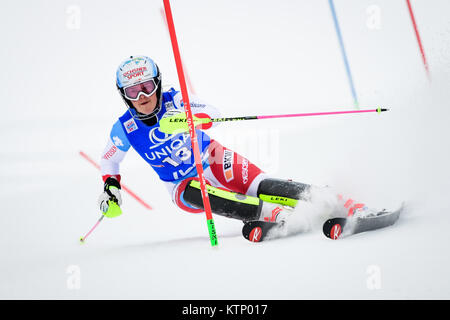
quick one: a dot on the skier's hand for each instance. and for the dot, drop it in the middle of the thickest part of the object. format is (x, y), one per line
(174, 121)
(110, 200)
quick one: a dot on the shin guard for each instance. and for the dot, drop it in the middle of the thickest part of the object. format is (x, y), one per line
(223, 202)
(284, 192)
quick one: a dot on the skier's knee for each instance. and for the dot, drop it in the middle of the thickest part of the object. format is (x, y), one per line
(178, 197)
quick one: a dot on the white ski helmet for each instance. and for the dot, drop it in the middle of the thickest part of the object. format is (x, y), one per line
(136, 76)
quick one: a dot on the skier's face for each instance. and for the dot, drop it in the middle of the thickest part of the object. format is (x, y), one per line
(145, 105)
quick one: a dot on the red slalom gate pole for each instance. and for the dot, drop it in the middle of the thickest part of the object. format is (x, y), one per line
(190, 122)
(188, 79)
(419, 41)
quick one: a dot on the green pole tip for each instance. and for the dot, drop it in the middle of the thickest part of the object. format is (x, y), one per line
(81, 240)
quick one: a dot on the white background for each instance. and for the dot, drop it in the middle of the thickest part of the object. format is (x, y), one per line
(57, 80)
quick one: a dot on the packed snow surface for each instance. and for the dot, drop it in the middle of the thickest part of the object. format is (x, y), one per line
(247, 58)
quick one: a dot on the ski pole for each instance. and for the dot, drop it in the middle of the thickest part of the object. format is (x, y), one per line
(82, 239)
(178, 121)
(294, 115)
(112, 212)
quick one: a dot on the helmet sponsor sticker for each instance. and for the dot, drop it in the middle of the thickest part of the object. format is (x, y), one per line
(133, 73)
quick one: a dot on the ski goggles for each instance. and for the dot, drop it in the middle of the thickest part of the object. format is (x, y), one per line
(147, 88)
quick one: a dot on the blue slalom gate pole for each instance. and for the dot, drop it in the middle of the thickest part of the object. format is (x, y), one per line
(344, 55)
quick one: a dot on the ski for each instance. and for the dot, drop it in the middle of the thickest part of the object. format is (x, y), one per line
(257, 231)
(336, 228)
